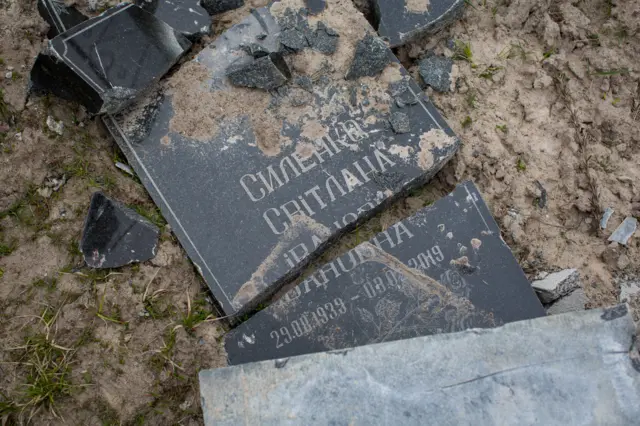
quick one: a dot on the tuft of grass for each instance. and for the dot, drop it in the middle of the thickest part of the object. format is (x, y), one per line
(503, 128)
(472, 99)
(466, 122)
(105, 182)
(513, 51)
(490, 71)
(195, 315)
(152, 214)
(462, 51)
(49, 375)
(46, 283)
(521, 165)
(78, 168)
(548, 53)
(605, 73)
(6, 250)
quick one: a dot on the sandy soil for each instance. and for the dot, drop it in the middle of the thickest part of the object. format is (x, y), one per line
(550, 94)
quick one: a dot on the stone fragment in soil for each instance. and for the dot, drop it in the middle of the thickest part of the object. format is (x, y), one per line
(574, 301)
(370, 58)
(59, 16)
(55, 126)
(445, 269)
(556, 285)
(401, 21)
(185, 16)
(436, 72)
(105, 69)
(115, 235)
(267, 72)
(214, 7)
(400, 122)
(629, 288)
(256, 184)
(624, 231)
(605, 217)
(569, 362)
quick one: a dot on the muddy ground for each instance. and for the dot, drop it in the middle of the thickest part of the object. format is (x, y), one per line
(546, 91)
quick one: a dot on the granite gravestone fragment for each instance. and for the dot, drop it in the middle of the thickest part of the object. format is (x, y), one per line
(436, 72)
(59, 16)
(115, 235)
(267, 72)
(445, 269)
(213, 7)
(105, 62)
(257, 183)
(574, 369)
(400, 21)
(185, 16)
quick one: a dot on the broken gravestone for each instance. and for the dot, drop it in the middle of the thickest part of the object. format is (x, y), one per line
(556, 285)
(445, 269)
(581, 368)
(185, 16)
(257, 183)
(59, 16)
(213, 7)
(105, 62)
(401, 21)
(115, 235)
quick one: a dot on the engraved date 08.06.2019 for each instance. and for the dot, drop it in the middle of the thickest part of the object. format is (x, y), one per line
(308, 321)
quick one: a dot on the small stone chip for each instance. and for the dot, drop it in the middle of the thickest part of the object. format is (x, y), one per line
(400, 122)
(436, 72)
(267, 73)
(371, 57)
(325, 39)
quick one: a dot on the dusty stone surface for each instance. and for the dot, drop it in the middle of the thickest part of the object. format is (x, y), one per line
(575, 301)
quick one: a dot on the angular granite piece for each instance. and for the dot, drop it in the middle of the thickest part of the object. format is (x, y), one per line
(442, 270)
(580, 368)
(115, 235)
(105, 62)
(257, 183)
(185, 16)
(59, 16)
(400, 21)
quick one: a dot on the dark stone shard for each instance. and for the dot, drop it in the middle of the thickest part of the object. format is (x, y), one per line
(88, 63)
(249, 246)
(399, 24)
(255, 50)
(267, 72)
(59, 16)
(400, 122)
(293, 40)
(370, 58)
(615, 312)
(315, 6)
(325, 39)
(403, 283)
(214, 7)
(436, 72)
(542, 199)
(115, 235)
(185, 16)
